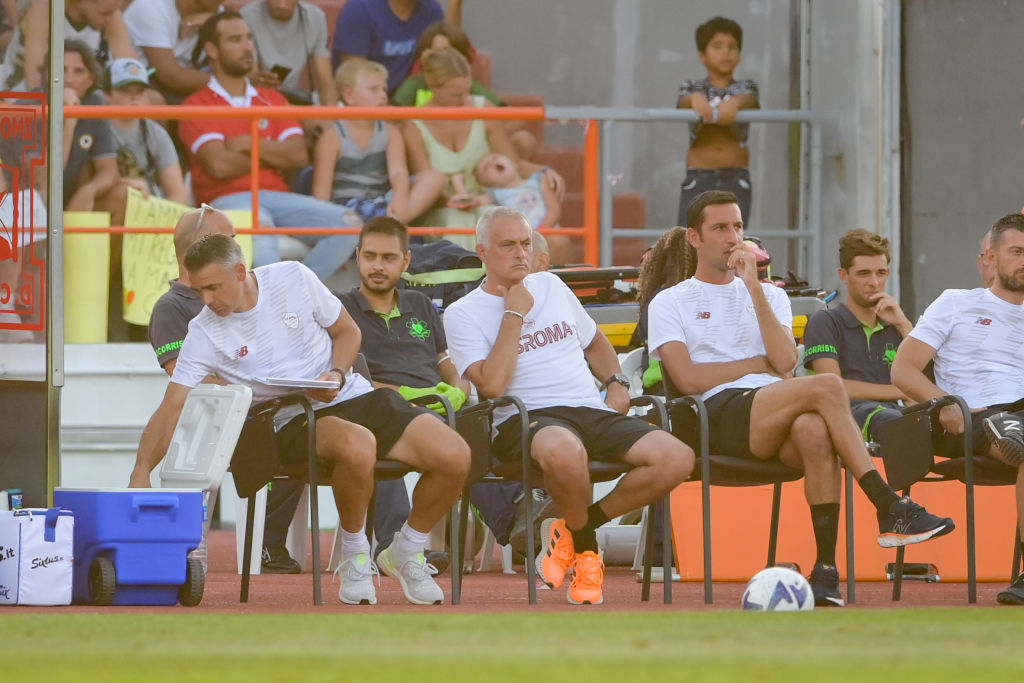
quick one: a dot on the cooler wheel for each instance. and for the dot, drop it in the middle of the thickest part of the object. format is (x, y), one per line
(191, 592)
(102, 581)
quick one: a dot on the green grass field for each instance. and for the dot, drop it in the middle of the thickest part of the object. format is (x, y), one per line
(906, 645)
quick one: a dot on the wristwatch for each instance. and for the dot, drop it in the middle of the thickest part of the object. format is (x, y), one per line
(341, 373)
(617, 377)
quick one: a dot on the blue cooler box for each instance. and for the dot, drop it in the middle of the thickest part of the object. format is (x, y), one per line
(136, 541)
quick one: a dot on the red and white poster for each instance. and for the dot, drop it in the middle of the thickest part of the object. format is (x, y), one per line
(23, 218)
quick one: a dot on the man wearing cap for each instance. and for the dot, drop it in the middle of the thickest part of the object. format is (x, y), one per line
(146, 157)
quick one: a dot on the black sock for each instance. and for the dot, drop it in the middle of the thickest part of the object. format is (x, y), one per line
(825, 518)
(586, 538)
(877, 491)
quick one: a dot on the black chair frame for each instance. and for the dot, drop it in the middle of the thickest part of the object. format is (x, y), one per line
(907, 463)
(250, 476)
(475, 425)
(721, 470)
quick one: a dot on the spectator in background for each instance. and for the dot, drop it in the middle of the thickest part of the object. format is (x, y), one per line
(220, 152)
(361, 164)
(96, 23)
(453, 147)
(414, 92)
(986, 261)
(541, 253)
(718, 154)
(291, 42)
(387, 31)
(165, 31)
(90, 162)
(146, 158)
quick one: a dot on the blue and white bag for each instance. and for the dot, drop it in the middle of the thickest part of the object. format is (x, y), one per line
(36, 560)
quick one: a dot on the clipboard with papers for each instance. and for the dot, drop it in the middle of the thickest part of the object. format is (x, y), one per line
(298, 383)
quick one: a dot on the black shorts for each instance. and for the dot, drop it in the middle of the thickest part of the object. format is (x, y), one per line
(383, 411)
(729, 422)
(605, 434)
(951, 446)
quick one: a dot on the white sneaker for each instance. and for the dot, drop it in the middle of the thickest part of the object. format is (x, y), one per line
(414, 574)
(357, 572)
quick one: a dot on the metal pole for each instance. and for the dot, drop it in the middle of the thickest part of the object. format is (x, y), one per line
(53, 286)
(606, 193)
(814, 202)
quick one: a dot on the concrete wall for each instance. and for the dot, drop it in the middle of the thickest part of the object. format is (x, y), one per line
(964, 106)
(635, 53)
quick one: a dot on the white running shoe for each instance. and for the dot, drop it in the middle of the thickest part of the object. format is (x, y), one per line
(357, 571)
(413, 573)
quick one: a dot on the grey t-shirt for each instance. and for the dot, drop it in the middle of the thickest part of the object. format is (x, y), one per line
(143, 151)
(288, 43)
(168, 324)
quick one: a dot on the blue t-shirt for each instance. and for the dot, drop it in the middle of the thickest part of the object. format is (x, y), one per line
(368, 28)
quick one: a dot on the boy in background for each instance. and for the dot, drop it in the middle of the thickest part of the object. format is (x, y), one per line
(361, 164)
(718, 156)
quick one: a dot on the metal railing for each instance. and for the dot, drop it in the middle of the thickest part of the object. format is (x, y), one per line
(597, 231)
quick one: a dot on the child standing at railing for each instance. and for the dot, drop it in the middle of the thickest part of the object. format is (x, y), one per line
(718, 154)
(361, 164)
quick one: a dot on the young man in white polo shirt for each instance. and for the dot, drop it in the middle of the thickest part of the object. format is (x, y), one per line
(527, 335)
(976, 338)
(280, 321)
(727, 336)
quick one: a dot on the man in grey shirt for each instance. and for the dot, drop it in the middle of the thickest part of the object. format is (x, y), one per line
(291, 41)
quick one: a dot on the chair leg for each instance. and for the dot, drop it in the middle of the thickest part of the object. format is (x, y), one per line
(455, 559)
(897, 575)
(773, 535)
(460, 522)
(247, 549)
(666, 548)
(705, 503)
(314, 514)
(851, 565)
(531, 567)
(645, 590)
(1015, 570)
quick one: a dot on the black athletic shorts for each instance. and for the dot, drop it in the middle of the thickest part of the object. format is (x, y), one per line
(383, 411)
(729, 422)
(951, 445)
(605, 434)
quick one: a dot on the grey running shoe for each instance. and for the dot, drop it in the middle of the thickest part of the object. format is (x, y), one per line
(357, 571)
(543, 508)
(413, 573)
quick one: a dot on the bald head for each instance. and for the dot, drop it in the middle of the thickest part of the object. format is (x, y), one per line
(541, 252)
(196, 223)
(986, 261)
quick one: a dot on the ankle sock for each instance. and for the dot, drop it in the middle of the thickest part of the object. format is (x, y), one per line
(410, 541)
(354, 542)
(586, 538)
(878, 492)
(825, 519)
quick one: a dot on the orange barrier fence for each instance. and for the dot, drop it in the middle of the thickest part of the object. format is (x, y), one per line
(740, 520)
(591, 201)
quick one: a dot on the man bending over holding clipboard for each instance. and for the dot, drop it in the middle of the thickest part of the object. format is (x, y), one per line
(279, 321)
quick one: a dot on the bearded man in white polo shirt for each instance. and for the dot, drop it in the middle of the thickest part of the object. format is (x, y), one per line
(976, 338)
